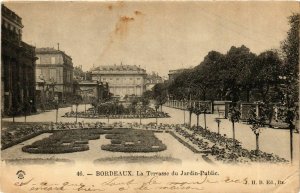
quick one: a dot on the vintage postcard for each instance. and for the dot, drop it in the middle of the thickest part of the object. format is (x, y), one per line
(149, 96)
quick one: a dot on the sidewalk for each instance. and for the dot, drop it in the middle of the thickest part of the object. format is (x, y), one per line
(271, 140)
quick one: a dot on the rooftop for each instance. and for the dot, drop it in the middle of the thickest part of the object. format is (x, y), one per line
(50, 51)
(6, 12)
(118, 69)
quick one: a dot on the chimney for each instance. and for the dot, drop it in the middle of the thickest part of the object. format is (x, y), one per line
(57, 46)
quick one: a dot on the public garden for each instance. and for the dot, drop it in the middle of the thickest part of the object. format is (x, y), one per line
(126, 140)
(238, 107)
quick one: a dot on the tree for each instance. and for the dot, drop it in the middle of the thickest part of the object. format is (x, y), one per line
(76, 100)
(290, 47)
(197, 111)
(234, 116)
(290, 50)
(27, 105)
(204, 108)
(267, 70)
(180, 88)
(134, 101)
(207, 75)
(191, 110)
(160, 94)
(145, 101)
(78, 73)
(148, 94)
(257, 122)
(237, 62)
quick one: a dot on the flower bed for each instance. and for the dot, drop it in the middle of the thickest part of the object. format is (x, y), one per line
(184, 143)
(122, 140)
(148, 113)
(19, 132)
(226, 149)
(134, 141)
(64, 142)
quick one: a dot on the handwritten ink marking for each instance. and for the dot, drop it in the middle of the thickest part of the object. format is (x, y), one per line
(85, 188)
(238, 181)
(122, 185)
(148, 184)
(23, 183)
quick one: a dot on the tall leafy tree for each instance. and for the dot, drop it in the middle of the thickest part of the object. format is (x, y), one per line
(236, 66)
(267, 70)
(290, 47)
(290, 50)
(160, 94)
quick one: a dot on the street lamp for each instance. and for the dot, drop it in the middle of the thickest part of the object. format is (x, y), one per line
(218, 122)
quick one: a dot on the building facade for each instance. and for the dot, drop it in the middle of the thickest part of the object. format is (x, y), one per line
(93, 91)
(152, 79)
(122, 79)
(54, 74)
(18, 67)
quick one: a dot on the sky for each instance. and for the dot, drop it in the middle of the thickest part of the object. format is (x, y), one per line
(157, 36)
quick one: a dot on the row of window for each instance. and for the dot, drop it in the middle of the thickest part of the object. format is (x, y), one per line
(48, 59)
(52, 73)
(11, 27)
(104, 79)
(122, 80)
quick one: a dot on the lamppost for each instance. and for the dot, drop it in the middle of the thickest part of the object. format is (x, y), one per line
(234, 116)
(218, 122)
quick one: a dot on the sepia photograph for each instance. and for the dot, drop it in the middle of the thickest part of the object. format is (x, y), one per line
(150, 96)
